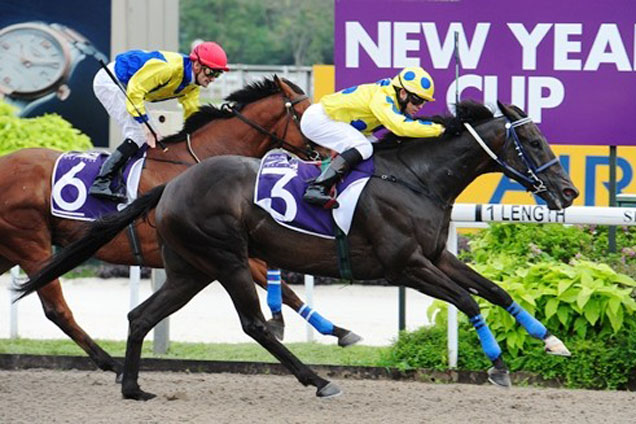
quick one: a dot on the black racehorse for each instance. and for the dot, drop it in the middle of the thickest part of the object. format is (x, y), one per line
(209, 227)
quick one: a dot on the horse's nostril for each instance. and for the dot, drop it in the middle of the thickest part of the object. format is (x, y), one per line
(571, 193)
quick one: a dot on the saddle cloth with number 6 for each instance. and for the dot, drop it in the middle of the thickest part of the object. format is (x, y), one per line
(73, 175)
(280, 185)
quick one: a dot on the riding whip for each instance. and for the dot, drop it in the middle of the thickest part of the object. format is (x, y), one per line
(457, 64)
(121, 87)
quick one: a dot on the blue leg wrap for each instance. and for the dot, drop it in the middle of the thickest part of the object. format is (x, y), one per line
(530, 323)
(274, 295)
(323, 325)
(488, 343)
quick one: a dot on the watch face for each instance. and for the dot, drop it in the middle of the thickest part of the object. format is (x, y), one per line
(33, 60)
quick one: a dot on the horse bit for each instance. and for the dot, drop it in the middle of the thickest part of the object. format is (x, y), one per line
(292, 115)
(530, 178)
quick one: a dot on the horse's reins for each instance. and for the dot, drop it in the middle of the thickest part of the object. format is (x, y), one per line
(532, 179)
(292, 115)
(190, 149)
(538, 186)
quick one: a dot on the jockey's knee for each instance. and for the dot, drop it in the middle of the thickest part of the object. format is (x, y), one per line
(365, 150)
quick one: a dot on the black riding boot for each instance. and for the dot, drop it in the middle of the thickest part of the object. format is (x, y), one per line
(110, 169)
(318, 191)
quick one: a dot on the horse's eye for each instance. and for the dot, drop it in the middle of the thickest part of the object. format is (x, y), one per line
(536, 143)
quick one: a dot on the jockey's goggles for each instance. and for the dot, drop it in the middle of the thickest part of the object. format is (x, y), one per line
(415, 99)
(209, 72)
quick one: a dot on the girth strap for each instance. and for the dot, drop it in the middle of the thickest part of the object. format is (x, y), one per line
(135, 246)
(344, 257)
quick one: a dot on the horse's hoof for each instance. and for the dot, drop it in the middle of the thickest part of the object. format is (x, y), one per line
(277, 328)
(499, 377)
(137, 394)
(119, 377)
(348, 339)
(554, 346)
(329, 390)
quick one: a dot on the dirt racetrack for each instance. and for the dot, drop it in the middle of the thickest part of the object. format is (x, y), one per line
(47, 396)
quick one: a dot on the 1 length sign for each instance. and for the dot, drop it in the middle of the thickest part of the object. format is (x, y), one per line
(463, 212)
(569, 63)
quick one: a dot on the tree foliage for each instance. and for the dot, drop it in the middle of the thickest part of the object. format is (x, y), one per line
(275, 32)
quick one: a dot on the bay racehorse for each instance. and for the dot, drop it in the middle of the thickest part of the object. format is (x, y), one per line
(399, 232)
(256, 118)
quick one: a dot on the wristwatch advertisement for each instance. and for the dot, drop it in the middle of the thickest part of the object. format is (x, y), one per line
(37, 60)
(49, 55)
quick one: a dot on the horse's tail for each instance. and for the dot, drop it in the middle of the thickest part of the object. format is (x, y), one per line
(99, 233)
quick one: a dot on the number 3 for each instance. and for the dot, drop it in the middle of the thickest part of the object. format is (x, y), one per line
(279, 191)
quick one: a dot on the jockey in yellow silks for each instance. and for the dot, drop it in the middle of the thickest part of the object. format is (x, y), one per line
(344, 122)
(149, 76)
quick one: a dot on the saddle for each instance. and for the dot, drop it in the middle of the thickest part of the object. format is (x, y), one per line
(74, 173)
(280, 185)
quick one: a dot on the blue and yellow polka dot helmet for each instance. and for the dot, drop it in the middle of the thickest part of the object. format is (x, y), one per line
(417, 81)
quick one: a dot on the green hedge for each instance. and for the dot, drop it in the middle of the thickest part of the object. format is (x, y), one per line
(50, 131)
(596, 363)
(587, 304)
(544, 242)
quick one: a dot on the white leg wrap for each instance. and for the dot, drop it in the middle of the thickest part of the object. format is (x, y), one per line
(554, 346)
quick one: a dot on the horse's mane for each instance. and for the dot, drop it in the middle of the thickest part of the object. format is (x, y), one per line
(251, 93)
(469, 111)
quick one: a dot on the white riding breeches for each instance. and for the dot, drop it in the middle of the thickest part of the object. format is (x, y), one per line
(334, 135)
(114, 101)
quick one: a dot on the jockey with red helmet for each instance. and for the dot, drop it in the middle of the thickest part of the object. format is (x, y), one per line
(150, 76)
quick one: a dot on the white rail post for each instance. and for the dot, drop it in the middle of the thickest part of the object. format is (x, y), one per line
(309, 294)
(13, 307)
(161, 340)
(134, 276)
(452, 310)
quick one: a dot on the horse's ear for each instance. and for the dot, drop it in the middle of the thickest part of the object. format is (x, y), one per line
(505, 110)
(286, 89)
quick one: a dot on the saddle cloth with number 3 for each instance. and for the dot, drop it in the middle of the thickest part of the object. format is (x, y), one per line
(73, 175)
(280, 185)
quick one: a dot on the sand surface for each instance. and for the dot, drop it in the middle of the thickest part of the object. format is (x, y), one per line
(47, 396)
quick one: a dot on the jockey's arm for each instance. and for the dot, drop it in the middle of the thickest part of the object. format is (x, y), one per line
(388, 113)
(190, 102)
(154, 73)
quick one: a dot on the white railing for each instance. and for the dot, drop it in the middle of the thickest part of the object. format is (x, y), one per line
(241, 75)
(469, 212)
(463, 215)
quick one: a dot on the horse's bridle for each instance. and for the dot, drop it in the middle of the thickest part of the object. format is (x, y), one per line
(530, 177)
(276, 141)
(292, 115)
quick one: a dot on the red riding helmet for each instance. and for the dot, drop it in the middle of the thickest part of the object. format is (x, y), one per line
(211, 55)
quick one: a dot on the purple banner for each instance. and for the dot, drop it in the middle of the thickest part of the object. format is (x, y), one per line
(568, 63)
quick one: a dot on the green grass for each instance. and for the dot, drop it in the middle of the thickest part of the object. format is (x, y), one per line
(310, 353)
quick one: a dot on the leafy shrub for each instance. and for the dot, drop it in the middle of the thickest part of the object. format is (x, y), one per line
(528, 242)
(50, 131)
(578, 300)
(588, 305)
(570, 300)
(596, 363)
(543, 242)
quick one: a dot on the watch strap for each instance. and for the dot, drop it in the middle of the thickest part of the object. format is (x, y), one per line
(80, 42)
